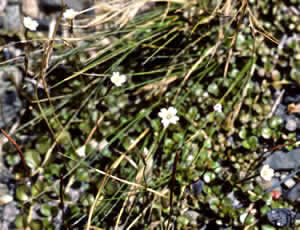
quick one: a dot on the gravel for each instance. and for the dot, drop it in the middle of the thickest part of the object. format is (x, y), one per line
(284, 160)
(10, 103)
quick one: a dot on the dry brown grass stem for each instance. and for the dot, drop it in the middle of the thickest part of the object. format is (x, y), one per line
(194, 67)
(109, 172)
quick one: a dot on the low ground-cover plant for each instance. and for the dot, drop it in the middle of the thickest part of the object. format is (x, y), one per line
(132, 109)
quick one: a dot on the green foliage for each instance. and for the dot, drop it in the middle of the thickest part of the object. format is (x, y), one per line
(189, 56)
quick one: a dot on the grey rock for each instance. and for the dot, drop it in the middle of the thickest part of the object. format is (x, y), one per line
(289, 183)
(3, 190)
(10, 103)
(74, 194)
(50, 6)
(8, 207)
(10, 19)
(280, 111)
(282, 160)
(286, 178)
(235, 202)
(294, 193)
(197, 187)
(293, 98)
(5, 196)
(273, 185)
(3, 4)
(31, 8)
(281, 217)
(8, 210)
(292, 123)
(193, 216)
(8, 215)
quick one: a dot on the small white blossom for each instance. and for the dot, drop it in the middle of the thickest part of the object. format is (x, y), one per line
(205, 94)
(218, 108)
(81, 151)
(70, 14)
(118, 79)
(208, 177)
(145, 151)
(168, 116)
(243, 217)
(190, 158)
(30, 24)
(267, 173)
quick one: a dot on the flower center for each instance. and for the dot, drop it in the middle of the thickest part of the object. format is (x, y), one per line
(169, 116)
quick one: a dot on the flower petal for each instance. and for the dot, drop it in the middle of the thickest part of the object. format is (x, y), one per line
(163, 113)
(122, 78)
(165, 122)
(172, 110)
(174, 120)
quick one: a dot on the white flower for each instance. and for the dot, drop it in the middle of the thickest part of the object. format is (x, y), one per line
(267, 173)
(205, 94)
(243, 217)
(70, 14)
(146, 151)
(118, 79)
(190, 158)
(218, 108)
(81, 151)
(30, 24)
(208, 177)
(168, 116)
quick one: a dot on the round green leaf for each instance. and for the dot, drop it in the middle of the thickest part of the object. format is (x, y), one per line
(266, 133)
(275, 122)
(45, 209)
(22, 193)
(33, 158)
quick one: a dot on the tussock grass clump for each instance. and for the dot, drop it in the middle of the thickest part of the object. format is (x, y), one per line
(100, 156)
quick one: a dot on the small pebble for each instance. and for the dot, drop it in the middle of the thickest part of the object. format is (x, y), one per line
(243, 217)
(290, 183)
(294, 193)
(291, 124)
(4, 199)
(197, 187)
(192, 216)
